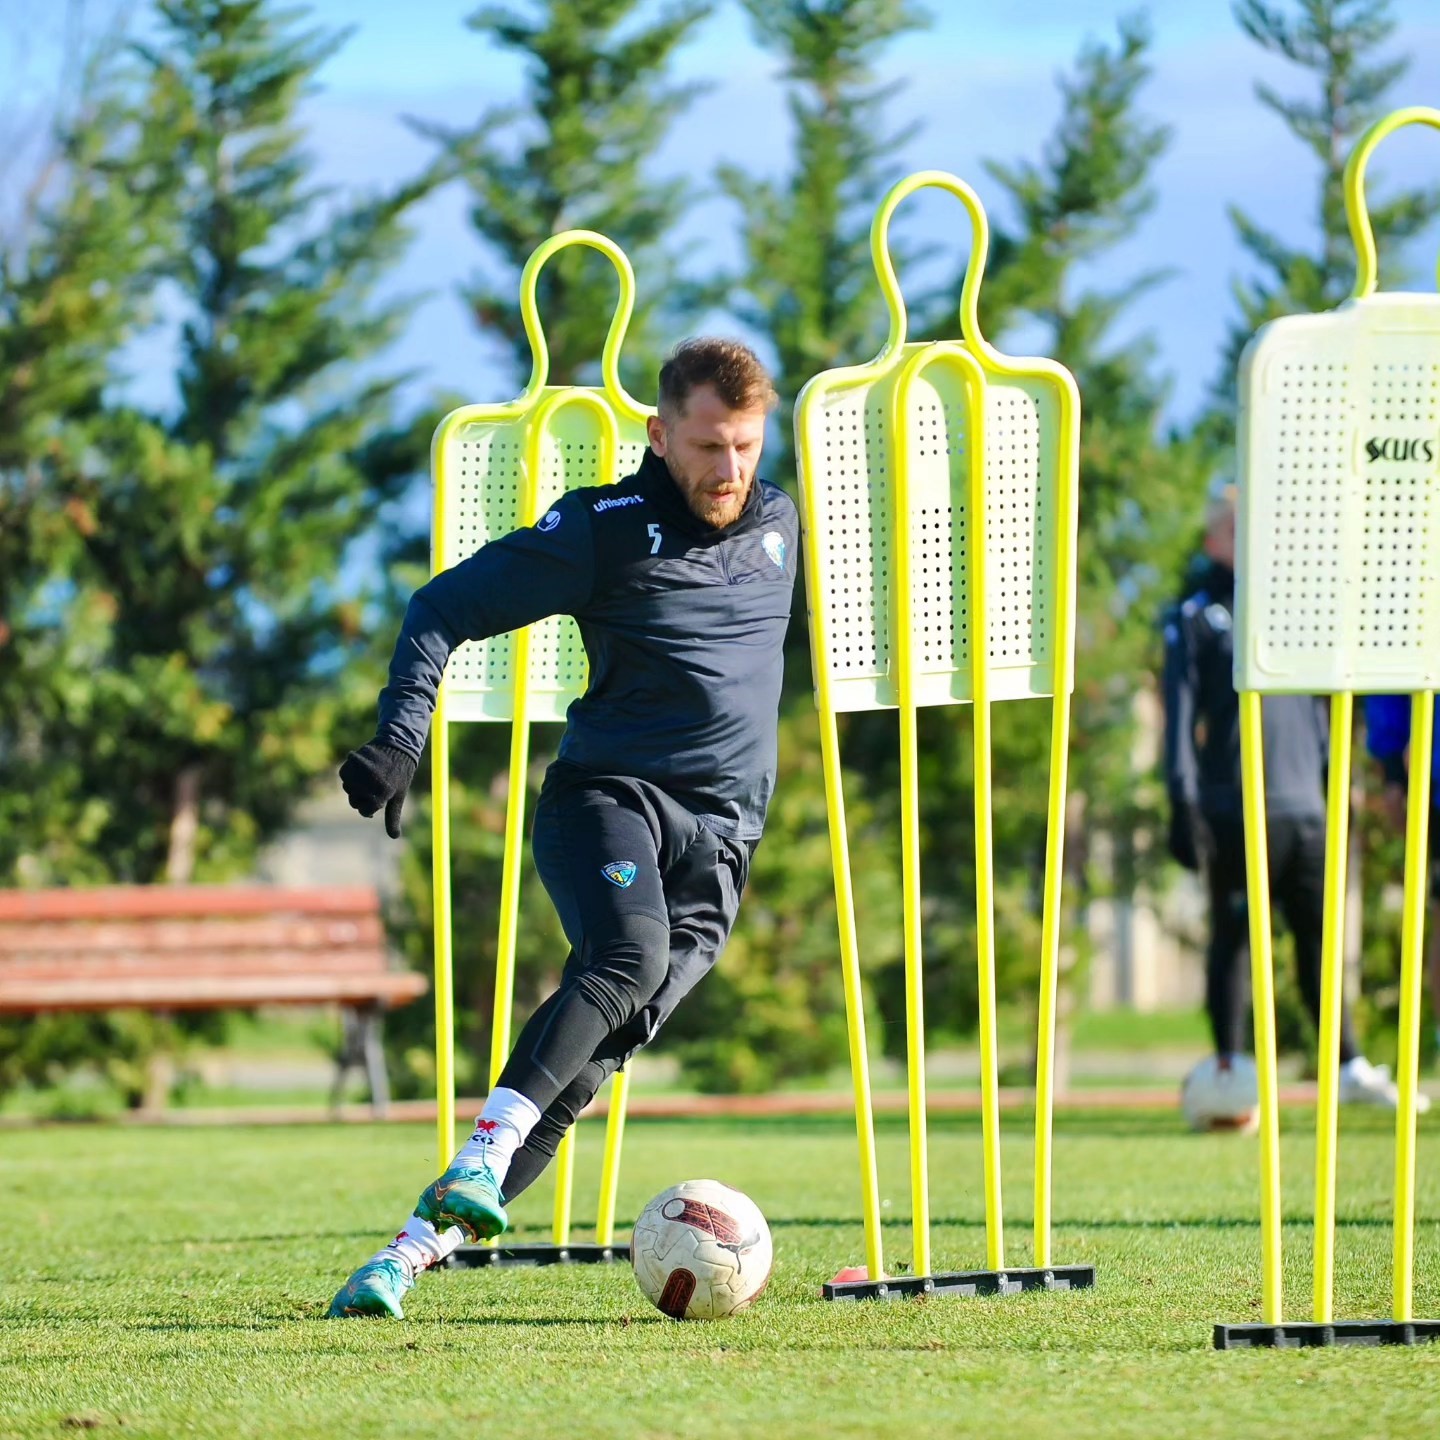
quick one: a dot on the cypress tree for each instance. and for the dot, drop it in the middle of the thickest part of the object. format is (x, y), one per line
(74, 282)
(808, 282)
(1337, 45)
(576, 153)
(209, 636)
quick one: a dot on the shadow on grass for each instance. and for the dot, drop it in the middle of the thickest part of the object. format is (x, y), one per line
(1015, 1220)
(1064, 1222)
(627, 1322)
(431, 1326)
(235, 1237)
(93, 1317)
(1019, 1123)
(200, 1327)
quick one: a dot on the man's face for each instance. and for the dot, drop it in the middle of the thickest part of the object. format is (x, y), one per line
(1220, 538)
(711, 452)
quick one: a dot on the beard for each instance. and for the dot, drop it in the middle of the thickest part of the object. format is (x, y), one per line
(717, 511)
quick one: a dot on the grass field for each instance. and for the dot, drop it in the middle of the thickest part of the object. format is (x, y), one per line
(172, 1282)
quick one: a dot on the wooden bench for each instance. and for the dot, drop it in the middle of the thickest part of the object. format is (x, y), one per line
(204, 947)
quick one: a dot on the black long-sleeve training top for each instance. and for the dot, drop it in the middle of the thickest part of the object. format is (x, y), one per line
(684, 626)
(1202, 716)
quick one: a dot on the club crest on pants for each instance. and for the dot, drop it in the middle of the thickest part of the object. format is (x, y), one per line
(620, 872)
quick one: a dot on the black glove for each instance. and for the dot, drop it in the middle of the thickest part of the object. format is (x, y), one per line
(378, 774)
(1191, 841)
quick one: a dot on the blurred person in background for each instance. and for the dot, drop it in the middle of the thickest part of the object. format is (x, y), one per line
(1207, 831)
(1387, 737)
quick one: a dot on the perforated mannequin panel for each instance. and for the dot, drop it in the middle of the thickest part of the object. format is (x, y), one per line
(847, 439)
(1339, 507)
(483, 465)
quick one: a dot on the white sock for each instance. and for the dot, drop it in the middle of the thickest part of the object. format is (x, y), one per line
(500, 1130)
(420, 1245)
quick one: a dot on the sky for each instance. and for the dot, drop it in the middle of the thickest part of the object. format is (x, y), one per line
(981, 82)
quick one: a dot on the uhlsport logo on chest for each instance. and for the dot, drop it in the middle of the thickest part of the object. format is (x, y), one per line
(620, 872)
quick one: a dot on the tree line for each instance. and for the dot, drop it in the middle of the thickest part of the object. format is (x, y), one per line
(185, 648)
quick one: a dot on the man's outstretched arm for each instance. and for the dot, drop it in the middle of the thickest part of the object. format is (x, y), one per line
(509, 583)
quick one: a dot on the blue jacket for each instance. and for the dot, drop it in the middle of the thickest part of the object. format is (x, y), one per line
(1387, 734)
(683, 625)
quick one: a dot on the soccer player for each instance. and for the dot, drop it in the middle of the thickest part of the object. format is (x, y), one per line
(680, 579)
(1387, 737)
(1207, 830)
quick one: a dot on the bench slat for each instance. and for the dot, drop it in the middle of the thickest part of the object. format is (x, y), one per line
(70, 936)
(202, 992)
(91, 968)
(195, 947)
(160, 901)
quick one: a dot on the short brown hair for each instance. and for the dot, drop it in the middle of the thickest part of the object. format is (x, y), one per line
(733, 370)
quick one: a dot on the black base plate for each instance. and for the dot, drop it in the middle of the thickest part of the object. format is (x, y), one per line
(1297, 1335)
(963, 1282)
(470, 1257)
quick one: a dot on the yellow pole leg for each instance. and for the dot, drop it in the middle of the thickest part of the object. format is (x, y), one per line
(1050, 973)
(1332, 979)
(1262, 985)
(985, 948)
(610, 1165)
(1412, 938)
(914, 989)
(444, 976)
(1062, 683)
(564, 1187)
(510, 882)
(906, 667)
(984, 829)
(850, 974)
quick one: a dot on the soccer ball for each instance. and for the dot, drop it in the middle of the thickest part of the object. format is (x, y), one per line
(701, 1251)
(1218, 1097)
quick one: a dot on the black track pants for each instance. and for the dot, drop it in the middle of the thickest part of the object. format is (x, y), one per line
(646, 896)
(1297, 890)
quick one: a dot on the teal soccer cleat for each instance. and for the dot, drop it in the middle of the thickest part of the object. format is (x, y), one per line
(376, 1288)
(467, 1198)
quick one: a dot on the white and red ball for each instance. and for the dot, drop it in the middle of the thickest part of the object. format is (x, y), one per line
(1222, 1096)
(701, 1251)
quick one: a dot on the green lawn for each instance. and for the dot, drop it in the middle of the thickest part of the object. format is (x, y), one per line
(172, 1282)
